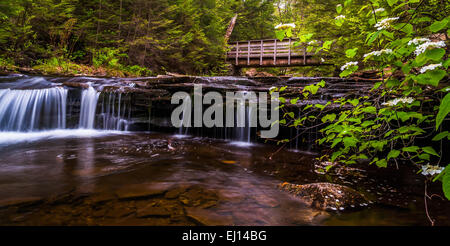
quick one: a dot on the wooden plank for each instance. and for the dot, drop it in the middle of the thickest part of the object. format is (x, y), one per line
(267, 55)
(275, 54)
(237, 53)
(248, 53)
(289, 58)
(304, 55)
(261, 53)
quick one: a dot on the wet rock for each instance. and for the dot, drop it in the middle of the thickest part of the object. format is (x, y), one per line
(327, 196)
(76, 84)
(198, 197)
(174, 193)
(266, 201)
(208, 217)
(20, 201)
(231, 196)
(144, 190)
(153, 212)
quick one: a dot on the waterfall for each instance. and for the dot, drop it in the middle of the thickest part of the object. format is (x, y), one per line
(31, 110)
(89, 98)
(116, 112)
(184, 130)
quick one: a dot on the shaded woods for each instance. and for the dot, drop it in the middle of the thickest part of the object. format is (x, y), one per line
(138, 37)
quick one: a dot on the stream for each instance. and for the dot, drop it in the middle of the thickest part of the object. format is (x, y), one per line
(89, 155)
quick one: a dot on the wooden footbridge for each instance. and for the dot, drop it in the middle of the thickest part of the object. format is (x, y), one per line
(271, 53)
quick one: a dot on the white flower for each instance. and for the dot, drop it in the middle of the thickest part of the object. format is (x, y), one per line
(322, 60)
(430, 67)
(285, 26)
(431, 170)
(416, 41)
(395, 101)
(348, 64)
(423, 47)
(340, 17)
(379, 10)
(378, 53)
(312, 42)
(385, 23)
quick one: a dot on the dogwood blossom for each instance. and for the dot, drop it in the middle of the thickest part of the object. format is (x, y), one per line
(379, 10)
(285, 26)
(378, 53)
(348, 64)
(430, 67)
(395, 101)
(431, 170)
(418, 41)
(423, 47)
(385, 23)
(340, 17)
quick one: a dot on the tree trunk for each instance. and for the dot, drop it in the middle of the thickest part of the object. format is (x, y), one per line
(230, 28)
(98, 22)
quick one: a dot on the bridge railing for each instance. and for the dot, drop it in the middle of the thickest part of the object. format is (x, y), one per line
(266, 49)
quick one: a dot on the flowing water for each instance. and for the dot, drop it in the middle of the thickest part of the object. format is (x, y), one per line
(95, 172)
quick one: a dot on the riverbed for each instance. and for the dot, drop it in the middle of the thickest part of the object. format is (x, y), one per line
(126, 178)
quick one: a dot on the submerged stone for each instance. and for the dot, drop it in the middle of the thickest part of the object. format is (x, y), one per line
(135, 191)
(208, 217)
(20, 201)
(326, 196)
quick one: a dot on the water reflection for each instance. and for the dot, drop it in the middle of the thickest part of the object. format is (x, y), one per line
(155, 179)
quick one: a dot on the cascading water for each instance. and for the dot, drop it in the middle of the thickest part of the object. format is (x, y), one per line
(115, 112)
(32, 110)
(89, 98)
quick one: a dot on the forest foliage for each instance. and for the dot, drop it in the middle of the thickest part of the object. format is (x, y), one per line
(139, 37)
(403, 118)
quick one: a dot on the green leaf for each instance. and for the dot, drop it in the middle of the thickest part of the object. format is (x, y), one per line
(431, 77)
(354, 102)
(430, 150)
(335, 155)
(327, 45)
(411, 149)
(446, 182)
(407, 28)
(438, 25)
(424, 157)
(329, 117)
(444, 109)
(381, 163)
(280, 34)
(339, 8)
(350, 53)
(349, 142)
(441, 135)
(336, 141)
(392, 2)
(435, 54)
(371, 37)
(393, 154)
(370, 110)
(339, 22)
